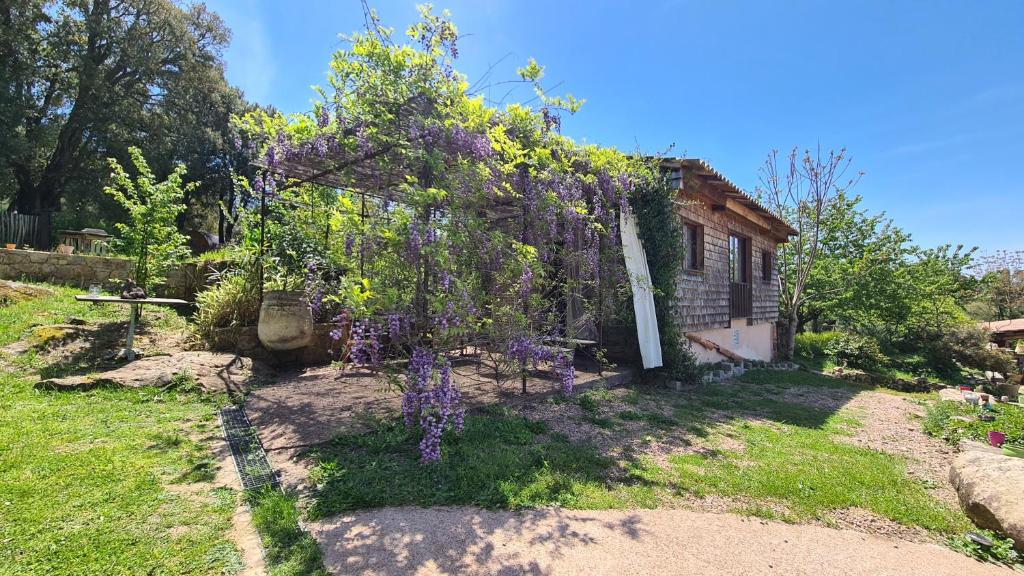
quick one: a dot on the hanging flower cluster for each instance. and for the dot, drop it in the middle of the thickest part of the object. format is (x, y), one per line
(364, 344)
(528, 352)
(436, 408)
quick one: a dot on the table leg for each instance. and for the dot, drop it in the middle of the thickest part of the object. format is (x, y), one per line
(130, 352)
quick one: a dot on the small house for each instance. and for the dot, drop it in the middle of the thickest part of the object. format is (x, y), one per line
(728, 293)
(1005, 333)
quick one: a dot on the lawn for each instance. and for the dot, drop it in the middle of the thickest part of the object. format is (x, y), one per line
(746, 443)
(106, 481)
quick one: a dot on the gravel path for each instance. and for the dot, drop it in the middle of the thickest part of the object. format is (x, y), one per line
(890, 424)
(464, 540)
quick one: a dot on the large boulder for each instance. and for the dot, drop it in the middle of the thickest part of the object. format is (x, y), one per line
(989, 488)
(17, 291)
(211, 371)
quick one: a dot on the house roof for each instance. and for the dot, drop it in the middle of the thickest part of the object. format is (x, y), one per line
(1004, 326)
(731, 192)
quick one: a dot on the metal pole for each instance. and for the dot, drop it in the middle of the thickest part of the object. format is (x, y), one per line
(263, 225)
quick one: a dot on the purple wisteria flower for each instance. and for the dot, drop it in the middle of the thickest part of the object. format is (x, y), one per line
(394, 325)
(526, 282)
(364, 343)
(314, 290)
(341, 323)
(437, 408)
(566, 373)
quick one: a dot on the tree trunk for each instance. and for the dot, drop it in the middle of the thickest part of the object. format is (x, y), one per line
(787, 336)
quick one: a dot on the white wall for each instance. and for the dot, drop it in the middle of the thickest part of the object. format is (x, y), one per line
(751, 342)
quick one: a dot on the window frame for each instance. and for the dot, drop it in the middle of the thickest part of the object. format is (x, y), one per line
(698, 246)
(747, 256)
(767, 265)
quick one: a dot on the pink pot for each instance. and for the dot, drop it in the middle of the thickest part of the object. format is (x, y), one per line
(996, 439)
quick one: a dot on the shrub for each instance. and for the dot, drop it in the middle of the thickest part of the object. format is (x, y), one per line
(968, 345)
(857, 351)
(814, 344)
(945, 352)
(234, 301)
(151, 235)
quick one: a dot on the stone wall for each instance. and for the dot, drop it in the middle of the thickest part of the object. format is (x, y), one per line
(82, 271)
(702, 296)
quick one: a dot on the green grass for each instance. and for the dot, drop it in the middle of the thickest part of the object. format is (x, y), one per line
(500, 461)
(941, 420)
(289, 550)
(102, 482)
(812, 474)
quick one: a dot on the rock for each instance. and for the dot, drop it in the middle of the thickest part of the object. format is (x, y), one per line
(212, 371)
(951, 394)
(966, 445)
(42, 337)
(18, 292)
(988, 486)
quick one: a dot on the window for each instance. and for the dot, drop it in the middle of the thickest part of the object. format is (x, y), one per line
(693, 246)
(767, 265)
(739, 259)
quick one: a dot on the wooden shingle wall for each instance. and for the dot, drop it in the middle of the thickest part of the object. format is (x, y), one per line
(702, 297)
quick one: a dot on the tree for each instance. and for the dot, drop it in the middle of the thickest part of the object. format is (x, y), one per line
(1002, 294)
(801, 191)
(870, 278)
(87, 79)
(150, 236)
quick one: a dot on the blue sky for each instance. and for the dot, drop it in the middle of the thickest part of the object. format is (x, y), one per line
(927, 96)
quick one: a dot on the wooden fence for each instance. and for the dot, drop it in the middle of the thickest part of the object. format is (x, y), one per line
(19, 229)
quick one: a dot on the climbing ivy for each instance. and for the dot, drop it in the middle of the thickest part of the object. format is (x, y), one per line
(661, 232)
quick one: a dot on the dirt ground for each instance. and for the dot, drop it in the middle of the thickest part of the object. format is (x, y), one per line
(312, 406)
(464, 540)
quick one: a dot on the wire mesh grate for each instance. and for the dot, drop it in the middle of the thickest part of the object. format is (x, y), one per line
(250, 459)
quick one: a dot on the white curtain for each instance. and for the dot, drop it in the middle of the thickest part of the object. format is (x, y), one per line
(643, 292)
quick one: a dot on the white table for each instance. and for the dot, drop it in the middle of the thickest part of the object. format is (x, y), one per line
(135, 304)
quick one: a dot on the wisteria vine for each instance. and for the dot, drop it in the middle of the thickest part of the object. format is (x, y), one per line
(450, 222)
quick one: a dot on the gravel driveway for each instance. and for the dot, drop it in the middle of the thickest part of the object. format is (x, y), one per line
(465, 540)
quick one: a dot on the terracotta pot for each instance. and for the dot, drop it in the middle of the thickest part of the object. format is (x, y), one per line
(285, 321)
(11, 246)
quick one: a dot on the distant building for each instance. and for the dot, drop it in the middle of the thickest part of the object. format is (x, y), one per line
(1005, 333)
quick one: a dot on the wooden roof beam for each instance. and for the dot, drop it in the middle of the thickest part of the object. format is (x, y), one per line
(738, 208)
